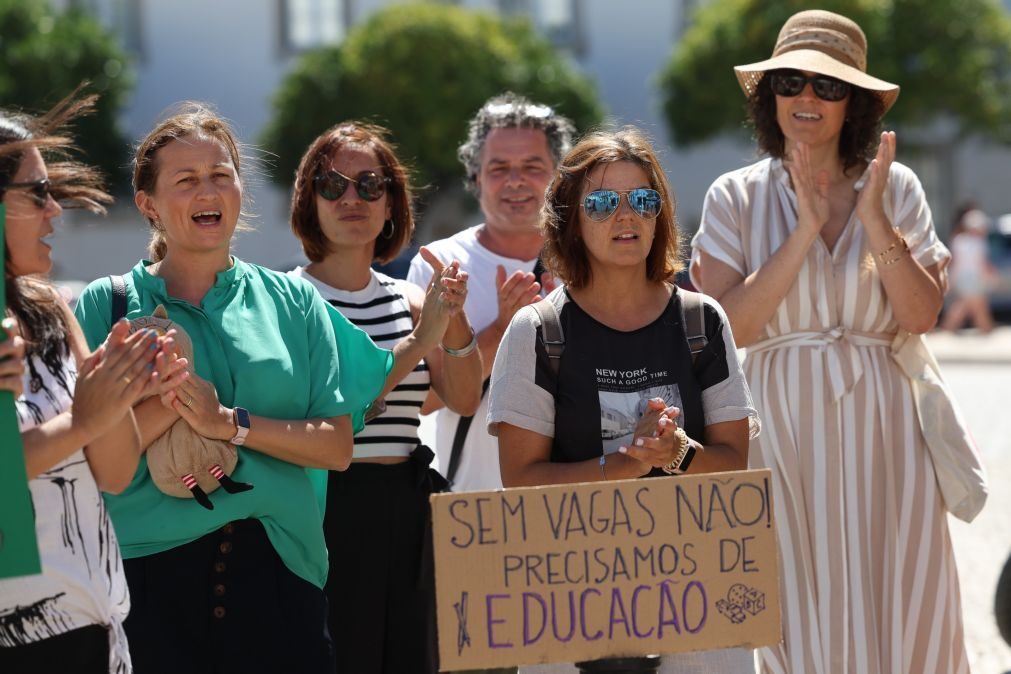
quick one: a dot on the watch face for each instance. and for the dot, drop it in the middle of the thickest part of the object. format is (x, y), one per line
(242, 417)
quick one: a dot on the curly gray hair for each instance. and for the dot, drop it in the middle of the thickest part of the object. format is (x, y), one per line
(511, 111)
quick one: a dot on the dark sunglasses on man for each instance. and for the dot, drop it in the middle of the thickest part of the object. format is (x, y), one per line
(790, 83)
(599, 205)
(38, 190)
(370, 186)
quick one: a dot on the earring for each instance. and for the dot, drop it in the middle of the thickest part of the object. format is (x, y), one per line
(392, 229)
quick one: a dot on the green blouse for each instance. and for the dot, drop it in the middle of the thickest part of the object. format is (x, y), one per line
(269, 343)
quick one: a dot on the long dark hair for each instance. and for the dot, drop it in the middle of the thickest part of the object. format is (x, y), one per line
(31, 299)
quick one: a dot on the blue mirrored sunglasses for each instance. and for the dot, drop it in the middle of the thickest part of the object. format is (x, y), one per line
(599, 205)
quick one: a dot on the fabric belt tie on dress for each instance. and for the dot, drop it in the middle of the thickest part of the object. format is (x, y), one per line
(837, 345)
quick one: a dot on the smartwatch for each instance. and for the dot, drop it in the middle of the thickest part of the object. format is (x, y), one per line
(241, 418)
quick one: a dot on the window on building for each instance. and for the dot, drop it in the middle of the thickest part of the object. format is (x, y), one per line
(312, 23)
(558, 20)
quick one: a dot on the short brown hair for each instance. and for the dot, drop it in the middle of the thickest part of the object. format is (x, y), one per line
(192, 118)
(305, 219)
(858, 141)
(564, 251)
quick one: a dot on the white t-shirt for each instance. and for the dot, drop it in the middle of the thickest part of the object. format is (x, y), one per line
(479, 463)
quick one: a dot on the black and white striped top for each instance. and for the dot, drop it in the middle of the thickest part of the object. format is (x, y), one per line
(381, 309)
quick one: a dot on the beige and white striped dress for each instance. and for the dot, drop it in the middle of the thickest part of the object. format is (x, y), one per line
(869, 583)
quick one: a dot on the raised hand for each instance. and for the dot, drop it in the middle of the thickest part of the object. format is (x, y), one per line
(515, 292)
(444, 298)
(811, 189)
(114, 378)
(870, 203)
(12, 358)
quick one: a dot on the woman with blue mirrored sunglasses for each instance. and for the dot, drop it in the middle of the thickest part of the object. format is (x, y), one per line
(599, 205)
(611, 236)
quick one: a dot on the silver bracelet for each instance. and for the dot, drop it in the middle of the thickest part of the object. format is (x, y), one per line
(465, 351)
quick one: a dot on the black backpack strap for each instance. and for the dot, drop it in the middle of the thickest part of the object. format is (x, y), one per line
(552, 335)
(462, 428)
(693, 317)
(118, 298)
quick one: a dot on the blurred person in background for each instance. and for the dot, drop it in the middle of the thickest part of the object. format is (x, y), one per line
(352, 207)
(821, 254)
(238, 588)
(510, 154)
(972, 273)
(74, 411)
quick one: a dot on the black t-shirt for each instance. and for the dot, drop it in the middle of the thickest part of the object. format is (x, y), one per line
(607, 376)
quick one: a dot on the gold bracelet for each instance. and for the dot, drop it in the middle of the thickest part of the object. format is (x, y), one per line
(900, 241)
(674, 466)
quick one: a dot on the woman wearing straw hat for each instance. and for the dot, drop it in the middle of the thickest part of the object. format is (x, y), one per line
(820, 253)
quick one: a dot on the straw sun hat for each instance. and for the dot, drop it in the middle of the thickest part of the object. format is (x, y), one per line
(824, 43)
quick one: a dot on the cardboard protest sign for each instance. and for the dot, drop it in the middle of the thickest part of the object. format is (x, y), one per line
(19, 551)
(581, 572)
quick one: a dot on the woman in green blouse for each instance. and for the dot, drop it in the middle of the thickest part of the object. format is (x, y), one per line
(237, 588)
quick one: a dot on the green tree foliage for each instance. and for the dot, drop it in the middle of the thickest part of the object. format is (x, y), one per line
(46, 54)
(952, 58)
(421, 70)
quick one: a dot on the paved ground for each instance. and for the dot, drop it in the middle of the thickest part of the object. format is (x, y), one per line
(978, 370)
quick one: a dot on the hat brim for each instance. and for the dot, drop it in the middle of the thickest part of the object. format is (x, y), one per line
(748, 76)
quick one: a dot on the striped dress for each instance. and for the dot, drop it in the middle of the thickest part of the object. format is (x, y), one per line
(382, 311)
(869, 583)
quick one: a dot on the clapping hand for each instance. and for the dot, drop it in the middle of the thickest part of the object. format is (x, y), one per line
(870, 203)
(653, 443)
(444, 298)
(811, 189)
(12, 358)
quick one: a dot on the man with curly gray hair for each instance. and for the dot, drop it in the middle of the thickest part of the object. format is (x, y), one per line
(512, 147)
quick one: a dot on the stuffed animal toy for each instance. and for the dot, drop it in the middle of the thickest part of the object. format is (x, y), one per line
(182, 462)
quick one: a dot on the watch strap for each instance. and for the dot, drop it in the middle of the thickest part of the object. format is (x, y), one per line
(241, 418)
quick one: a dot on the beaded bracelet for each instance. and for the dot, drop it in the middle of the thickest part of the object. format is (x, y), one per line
(465, 351)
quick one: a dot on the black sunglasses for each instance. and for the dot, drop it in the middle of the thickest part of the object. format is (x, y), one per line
(599, 205)
(370, 186)
(790, 83)
(38, 190)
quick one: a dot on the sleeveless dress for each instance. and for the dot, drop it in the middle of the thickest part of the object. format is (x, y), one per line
(82, 581)
(869, 583)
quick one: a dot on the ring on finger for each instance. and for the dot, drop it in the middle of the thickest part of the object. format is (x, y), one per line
(189, 403)
(127, 379)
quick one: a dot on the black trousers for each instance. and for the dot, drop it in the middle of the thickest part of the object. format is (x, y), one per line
(225, 603)
(381, 588)
(84, 650)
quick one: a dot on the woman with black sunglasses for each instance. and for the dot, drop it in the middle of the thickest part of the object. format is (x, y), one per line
(634, 393)
(236, 588)
(352, 207)
(74, 411)
(820, 254)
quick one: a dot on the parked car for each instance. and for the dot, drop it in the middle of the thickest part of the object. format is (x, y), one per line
(1000, 256)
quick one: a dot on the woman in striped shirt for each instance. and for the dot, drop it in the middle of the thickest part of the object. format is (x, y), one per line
(351, 207)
